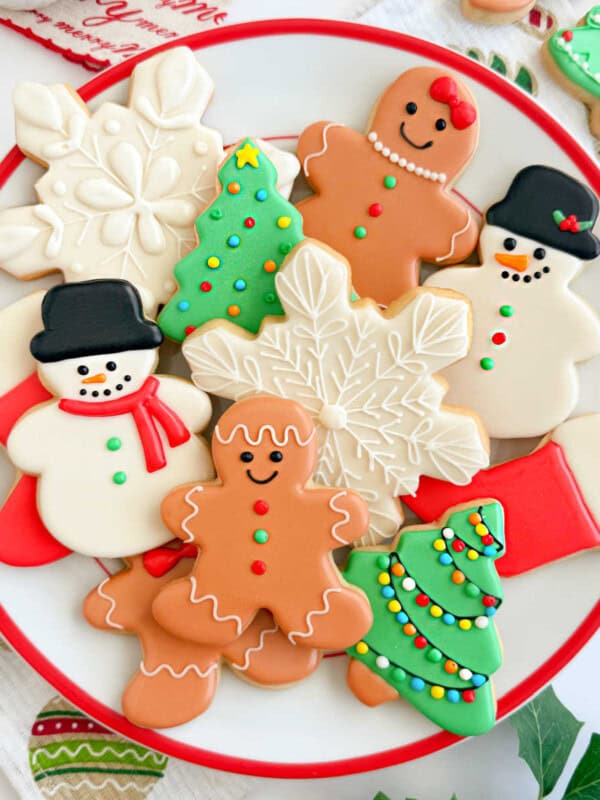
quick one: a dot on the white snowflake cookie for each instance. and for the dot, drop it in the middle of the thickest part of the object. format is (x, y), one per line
(367, 377)
(123, 185)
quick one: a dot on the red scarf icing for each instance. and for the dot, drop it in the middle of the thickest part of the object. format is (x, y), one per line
(147, 410)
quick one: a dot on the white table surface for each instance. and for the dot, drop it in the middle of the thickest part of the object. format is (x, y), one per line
(484, 767)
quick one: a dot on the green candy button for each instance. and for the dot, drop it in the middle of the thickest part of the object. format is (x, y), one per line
(114, 443)
(434, 655)
(216, 213)
(398, 675)
(260, 536)
(119, 478)
(487, 363)
(506, 311)
(360, 232)
(471, 590)
(390, 182)
(383, 562)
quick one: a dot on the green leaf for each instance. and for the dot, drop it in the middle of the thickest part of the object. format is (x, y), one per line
(498, 65)
(558, 216)
(547, 732)
(381, 796)
(524, 80)
(585, 226)
(585, 783)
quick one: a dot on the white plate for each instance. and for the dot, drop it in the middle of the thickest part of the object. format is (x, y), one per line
(272, 79)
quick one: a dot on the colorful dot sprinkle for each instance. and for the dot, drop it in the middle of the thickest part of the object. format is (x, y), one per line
(234, 187)
(506, 311)
(284, 222)
(360, 232)
(233, 241)
(119, 478)
(205, 286)
(487, 363)
(114, 443)
(213, 262)
(261, 195)
(260, 536)
(216, 213)
(233, 310)
(390, 182)
(362, 648)
(183, 305)
(239, 285)
(249, 222)
(269, 266)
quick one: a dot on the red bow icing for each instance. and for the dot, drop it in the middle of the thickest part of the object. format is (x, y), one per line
(162, 559)
(462, 114)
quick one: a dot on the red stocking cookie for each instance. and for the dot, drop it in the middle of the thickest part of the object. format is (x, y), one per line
(266, 538)
(177, 679)
(382, 198)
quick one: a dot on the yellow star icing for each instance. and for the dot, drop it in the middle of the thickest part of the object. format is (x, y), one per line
(247, 155)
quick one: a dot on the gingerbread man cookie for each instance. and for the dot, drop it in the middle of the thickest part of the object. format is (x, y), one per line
(265, 537)
(177, 679)
(114, 438)
(383, 198)
(496, 12)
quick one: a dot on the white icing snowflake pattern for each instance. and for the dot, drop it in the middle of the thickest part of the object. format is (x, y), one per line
(367, 378)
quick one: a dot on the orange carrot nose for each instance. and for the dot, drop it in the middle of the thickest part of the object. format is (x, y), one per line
(520, 263)
(99, 378)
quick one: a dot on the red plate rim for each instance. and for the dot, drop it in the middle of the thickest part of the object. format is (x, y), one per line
(561, 657)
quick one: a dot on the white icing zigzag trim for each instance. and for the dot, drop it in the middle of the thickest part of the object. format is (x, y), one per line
(58, 787)
(323, 149)
(261, 643)
(150, 673)
(264, 429)
(74, 752)
(190, 517)
(341, 522)
(113, 605)
(409, 166)
(309, 626)
(196, 600)
(456, 235)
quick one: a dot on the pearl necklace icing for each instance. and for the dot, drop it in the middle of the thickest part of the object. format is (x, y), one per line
(409, 166)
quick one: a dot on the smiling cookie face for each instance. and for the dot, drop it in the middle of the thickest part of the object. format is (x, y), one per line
(428, 118)
(265, 441)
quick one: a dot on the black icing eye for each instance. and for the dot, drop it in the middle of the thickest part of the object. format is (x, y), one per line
(82, 370)
(246, 457)
(539, 253)
(440, 125)
(111, 366)
(411, 108)
(276, 456)
(510, 244)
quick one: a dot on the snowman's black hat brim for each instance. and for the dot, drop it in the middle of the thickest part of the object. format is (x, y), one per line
(535, 197)
(92, 318)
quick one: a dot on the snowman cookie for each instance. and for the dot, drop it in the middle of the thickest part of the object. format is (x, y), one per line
(383, 198)
(177, 679)
(115, 438)
(496, 12)
(572, 57)
(265, 536)
(529, 328)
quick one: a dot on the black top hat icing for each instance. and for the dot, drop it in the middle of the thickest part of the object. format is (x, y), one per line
(552, 208)
(91, 318)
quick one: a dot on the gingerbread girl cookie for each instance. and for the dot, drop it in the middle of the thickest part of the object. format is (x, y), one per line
(177, 679)
(383, 198)
(114, 439)
(496, 12)
(265, 536)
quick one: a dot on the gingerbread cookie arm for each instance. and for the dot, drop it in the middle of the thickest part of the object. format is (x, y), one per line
(314, 147)
(100, 608)
(454, 238)
(350, 517)
(182, 510)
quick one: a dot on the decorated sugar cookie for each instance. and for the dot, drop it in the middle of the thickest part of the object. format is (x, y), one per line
(496, 12)
(572, 57)
(115, 438)
(383, 198)
(244, 235)
(367, 379)
(124, 185)
(434, 595)
(177, 679)
(539, 491)
(72, 757)
(529, 328)
(265, 536)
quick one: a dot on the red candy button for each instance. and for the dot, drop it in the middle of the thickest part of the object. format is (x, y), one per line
(205, 286)
(420, 642)
(260, 507)
(489, 539)
(375, 210)
(499, 338)
(458, 546)
(258, 567)
(469, 696)
(422, 600)
(249, 222)
(190, 329)
(488, 601)
(567, 36)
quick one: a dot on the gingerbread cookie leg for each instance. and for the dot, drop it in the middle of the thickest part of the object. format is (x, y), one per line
(368, 687)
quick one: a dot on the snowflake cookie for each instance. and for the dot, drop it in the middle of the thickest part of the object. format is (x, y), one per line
(123, 185)
(367, 378)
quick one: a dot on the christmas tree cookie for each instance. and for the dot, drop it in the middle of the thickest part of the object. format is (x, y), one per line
(572, 56)
(434, 595)
(243, 237)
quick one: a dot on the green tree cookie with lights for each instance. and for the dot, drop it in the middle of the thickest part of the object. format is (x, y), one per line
(243, 237)
(434, 594)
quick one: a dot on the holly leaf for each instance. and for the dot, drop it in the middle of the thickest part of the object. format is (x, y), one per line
(585, 783)
(381, 796)
(547, 732)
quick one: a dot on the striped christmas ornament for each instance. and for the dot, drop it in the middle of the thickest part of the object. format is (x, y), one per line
(72, 757)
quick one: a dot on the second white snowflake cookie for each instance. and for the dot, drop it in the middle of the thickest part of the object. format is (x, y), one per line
(367, 377)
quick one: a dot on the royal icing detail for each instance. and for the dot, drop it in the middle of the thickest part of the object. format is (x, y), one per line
(177, 679)
(266, 480)
(529, 257)
(367, 379)
(243, 238)
(433, 640)
(114, 438)
(423, 133)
